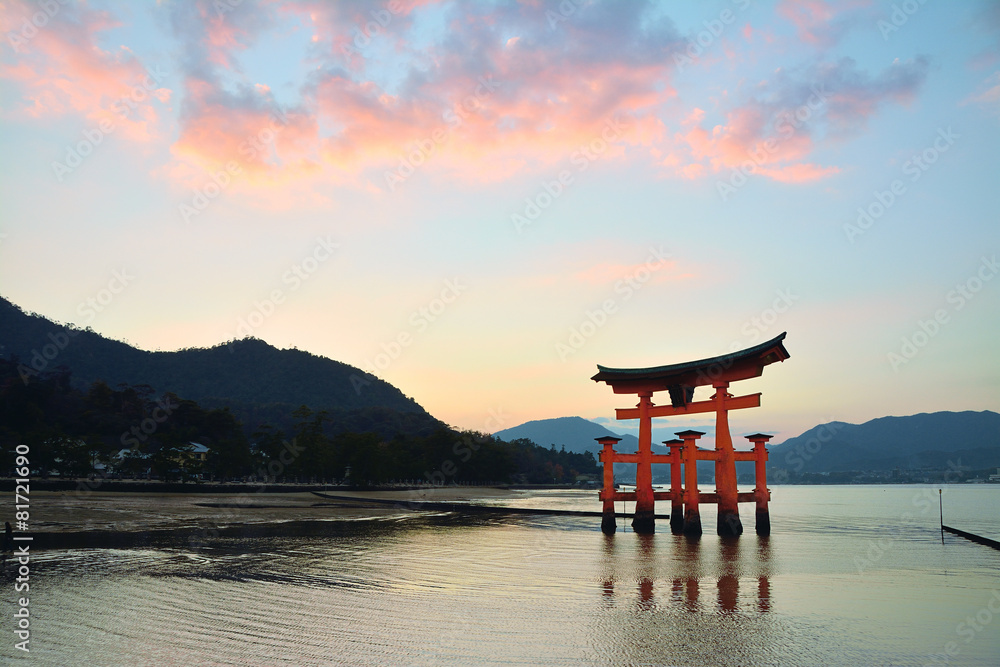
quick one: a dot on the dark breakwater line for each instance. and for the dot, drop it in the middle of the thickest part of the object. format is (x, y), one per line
(200, 535)
(155, 486)
(973, 538)
(131, 486)
(180, 537)
(197, 536)
(468, 508)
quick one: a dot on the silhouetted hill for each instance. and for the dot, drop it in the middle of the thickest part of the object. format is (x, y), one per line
(247, 375)
(918, 442)
(921, 441)
(575, 433)
(579, 435)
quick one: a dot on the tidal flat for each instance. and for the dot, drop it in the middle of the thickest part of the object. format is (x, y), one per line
(851, 575)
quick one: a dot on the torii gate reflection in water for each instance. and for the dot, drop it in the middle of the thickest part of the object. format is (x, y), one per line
(680, 381)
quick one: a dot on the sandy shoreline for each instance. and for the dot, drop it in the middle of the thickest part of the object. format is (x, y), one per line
(119, 519)
(436, 493)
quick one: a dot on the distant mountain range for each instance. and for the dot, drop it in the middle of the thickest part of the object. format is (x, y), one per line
(576, 434)
(260, 383)
(918, 442)
(580, 435)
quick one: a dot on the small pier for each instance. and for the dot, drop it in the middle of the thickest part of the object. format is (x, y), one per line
(978, 539)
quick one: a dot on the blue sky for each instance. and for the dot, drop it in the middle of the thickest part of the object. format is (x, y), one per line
(492, 183)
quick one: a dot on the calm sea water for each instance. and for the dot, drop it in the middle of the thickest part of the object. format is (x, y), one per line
(853, 575)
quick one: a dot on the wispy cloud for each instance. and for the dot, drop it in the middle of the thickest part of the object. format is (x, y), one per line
(508, 89)
(483, 93)
(60, 68)
(779, 123)
(823, 23)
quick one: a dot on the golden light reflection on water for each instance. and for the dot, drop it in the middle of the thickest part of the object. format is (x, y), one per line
(688, 583)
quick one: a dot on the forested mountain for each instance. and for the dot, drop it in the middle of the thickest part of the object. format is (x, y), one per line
(77, 400)
(240, 374)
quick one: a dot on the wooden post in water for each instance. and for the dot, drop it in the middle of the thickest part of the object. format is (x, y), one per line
(941, 512)
(608, 523)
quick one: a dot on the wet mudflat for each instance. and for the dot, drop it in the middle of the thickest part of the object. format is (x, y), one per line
(851, 575)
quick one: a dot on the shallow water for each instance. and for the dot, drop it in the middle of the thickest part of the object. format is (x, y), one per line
(852, 575)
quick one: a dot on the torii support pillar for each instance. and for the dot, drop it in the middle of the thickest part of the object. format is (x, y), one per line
(608, 523)
(644, 521)
(761, 491)
(729, 524)
(692, 516)
(676, 487)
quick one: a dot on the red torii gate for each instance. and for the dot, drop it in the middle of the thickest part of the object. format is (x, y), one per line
(680, 381)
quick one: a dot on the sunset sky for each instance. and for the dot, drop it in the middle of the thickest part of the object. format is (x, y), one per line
(480, 202)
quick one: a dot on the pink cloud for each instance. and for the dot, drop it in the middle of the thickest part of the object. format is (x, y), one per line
(228, 28)
(852, 97)
(459, 109)
(599, 83)
(988, 95)
(693, 171)
(226, 122)
(268, 145)
(342, 31)
(589, 272)
(774, 131)
(60, 70)
(500, 93)
(609, 273)
(821, 22)
(799, 173)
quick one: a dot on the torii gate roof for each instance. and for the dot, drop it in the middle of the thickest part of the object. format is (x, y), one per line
(681, 379)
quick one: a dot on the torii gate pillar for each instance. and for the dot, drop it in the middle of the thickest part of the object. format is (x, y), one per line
(761, 492)
(676, 486)
(692, 497)
(728, 524)
(644, 521)
(608, 523)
